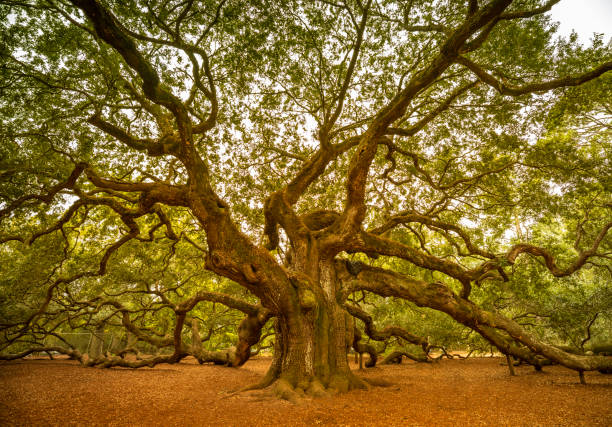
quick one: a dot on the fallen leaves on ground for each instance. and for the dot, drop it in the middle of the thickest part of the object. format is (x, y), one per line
(451, 392)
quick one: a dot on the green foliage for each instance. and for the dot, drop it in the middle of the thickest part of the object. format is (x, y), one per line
(528, 169)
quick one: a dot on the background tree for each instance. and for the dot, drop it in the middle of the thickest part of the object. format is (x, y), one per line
(310, 152)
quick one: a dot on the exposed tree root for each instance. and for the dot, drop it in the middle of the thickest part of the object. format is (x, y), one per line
(284, 390)
(270, 377)
(378, 382)
(312, 388)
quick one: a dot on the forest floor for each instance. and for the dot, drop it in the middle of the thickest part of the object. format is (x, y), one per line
(476, 391)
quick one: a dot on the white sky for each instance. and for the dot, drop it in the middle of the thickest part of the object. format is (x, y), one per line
(585, 17)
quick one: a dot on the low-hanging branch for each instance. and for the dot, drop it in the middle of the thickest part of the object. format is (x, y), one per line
(440, 297)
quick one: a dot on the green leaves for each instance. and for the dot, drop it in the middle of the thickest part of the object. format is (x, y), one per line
(533, 168)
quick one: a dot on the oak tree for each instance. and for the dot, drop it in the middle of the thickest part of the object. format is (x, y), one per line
(285, 159)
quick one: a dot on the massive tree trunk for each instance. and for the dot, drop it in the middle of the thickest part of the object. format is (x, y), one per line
(314, 334)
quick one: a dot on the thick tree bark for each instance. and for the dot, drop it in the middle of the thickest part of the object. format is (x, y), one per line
(315, 333)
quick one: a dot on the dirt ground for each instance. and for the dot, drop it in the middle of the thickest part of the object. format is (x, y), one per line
(452, 392)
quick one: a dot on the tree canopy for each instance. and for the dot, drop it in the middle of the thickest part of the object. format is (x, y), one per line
(322, 168)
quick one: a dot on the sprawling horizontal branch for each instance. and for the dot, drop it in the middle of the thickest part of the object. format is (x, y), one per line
(249, 331)
(372, 243)
(489, 324)
(488, 268)
(249, 334)
(178, 354)
(227, 300)
(96, 305)
(396, 355)
(75, 354)
(150, 146)
(173, 195)
(102, 362)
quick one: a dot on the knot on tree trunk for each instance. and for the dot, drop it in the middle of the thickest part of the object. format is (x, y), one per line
(250, 273)
(220, 261)
(354, 267)
(304, 288)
